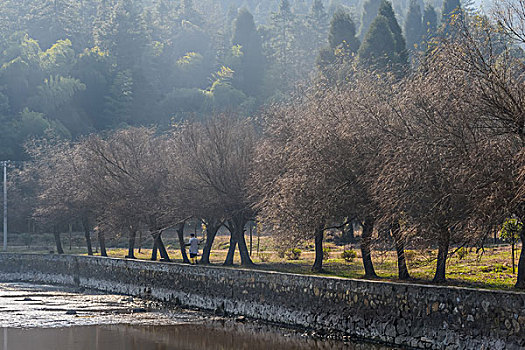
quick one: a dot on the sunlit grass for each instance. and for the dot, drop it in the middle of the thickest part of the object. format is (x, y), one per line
(490, 268)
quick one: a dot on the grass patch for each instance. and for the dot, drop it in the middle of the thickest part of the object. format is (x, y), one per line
(490, 269)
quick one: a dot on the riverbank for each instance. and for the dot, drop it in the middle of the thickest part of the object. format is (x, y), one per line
(64, 318)
(417, 316)
(487, 268)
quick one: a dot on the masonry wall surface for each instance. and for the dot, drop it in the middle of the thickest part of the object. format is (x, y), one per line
(416, 316)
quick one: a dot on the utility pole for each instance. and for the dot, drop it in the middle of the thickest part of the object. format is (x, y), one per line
(5, 205)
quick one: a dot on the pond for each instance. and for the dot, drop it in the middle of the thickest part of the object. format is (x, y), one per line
(57, 318)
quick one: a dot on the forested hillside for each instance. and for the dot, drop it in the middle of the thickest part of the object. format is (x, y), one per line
(72, 67)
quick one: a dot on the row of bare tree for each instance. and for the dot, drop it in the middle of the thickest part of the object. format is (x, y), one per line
(435, 158)
(432, 159)
(135, 178)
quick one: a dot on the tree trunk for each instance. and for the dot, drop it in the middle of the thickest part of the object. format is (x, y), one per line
(350, 236)
(154, 249)
(162, 249)
(238, 224)
(231, 249)
(444, 243)
(212, 228)
(131, 244)
(180, 234)
(102, 242)
(318, 263)
(399, 242)
(87, 234)
(520, 283)
(366, 242)
(58, 242)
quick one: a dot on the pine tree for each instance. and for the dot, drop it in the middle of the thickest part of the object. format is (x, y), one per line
(401, 53)
(283, 44)
(125, 34)
(249, 78)
(370, 9)
(429, 26)
(334, 59)
(378, 48)
(315, 34)
(317, 23)
(449, 8)
(429, 21)
(188, 13)
(384, 46)
(342, 33)
(450, 13)
(414, 29)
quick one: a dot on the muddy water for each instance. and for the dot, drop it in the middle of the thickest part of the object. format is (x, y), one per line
(53, 318)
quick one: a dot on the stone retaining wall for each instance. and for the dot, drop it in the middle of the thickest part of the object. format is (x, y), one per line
(417, 316)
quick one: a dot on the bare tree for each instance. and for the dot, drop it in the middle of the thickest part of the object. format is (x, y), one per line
(219, 156)
(130, 176)
(59, 171)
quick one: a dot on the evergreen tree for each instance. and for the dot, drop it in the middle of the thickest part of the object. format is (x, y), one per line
(429, 26)
(188, 13)
(249, 76)
(126, 35)
(401, 53)
(414, 29)
(317, 24)
(384, 46)
(370, 9)
(429, 21)
(343, 44)
(283, 46)
(450, 7)
(378, 48)
(450, 13)
(342, 33)
(118, 103)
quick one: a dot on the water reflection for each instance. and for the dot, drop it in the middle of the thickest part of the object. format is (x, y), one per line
(180, 337)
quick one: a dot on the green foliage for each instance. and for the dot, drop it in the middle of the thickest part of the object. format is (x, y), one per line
(349, 255)
(462, 253)
(377, 49)
(450, 12)
(511, 230)
(429, 21)
(414, 30)
(293, 254)
(265, 257)
(342, 32)
(370, 10)
(250, 70)
(32, 124)
(326, 252)
(384, 47)
(55, 92)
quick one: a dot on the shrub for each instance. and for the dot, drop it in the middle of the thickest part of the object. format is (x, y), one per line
(462, 253)
(265, 257)
(293, 254)
(410, 255)
(349, 255)
(326, 252)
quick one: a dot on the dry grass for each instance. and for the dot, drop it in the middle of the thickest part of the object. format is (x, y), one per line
(491, 268)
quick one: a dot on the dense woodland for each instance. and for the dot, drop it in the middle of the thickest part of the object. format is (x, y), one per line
(69, 68)
(307, 119)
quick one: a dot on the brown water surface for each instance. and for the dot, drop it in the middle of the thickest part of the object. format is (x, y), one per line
(57, 318)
